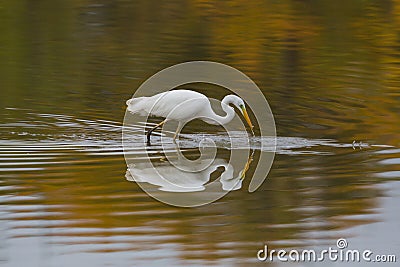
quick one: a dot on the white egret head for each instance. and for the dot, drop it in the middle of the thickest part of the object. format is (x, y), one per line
(239, 103)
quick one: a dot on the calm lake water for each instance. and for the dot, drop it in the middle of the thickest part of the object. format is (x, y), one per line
(331, 74)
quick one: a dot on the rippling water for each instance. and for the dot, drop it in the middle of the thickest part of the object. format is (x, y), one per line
(329, 72)
(63, 193)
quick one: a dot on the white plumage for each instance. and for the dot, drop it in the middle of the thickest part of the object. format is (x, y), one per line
(190, 103)
(185, 105)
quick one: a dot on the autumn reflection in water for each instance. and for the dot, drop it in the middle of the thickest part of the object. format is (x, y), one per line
(330, 73)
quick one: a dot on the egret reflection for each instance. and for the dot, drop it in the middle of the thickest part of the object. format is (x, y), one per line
(168, 178)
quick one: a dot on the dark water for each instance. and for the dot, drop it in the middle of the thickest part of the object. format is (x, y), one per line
(331, 74)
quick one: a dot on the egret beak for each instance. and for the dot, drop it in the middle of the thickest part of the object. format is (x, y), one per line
(246, 167)
(246, 117)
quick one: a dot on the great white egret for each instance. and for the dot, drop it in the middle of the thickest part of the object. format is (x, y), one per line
(185, 105)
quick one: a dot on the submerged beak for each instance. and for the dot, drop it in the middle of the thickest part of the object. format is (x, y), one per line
(247, 118)
(246, 167)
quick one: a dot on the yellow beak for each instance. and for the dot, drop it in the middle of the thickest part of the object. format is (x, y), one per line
(247, 118)
(246, 167)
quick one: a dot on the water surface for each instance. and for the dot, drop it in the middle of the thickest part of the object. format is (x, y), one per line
(331, 76)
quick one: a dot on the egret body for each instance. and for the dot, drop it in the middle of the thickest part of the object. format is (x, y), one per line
(185, 105)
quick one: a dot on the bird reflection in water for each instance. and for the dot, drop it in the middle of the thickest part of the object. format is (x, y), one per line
(170, 178)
